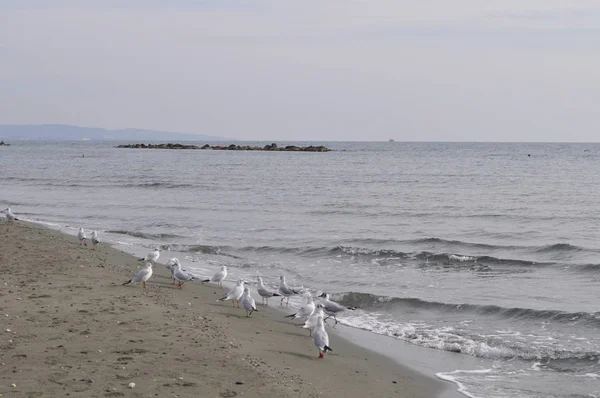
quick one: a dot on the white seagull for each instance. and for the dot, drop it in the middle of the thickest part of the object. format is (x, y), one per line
(95, 239)
(305, 311)
(180, 275)
(219, 277)
(311, 321)
(332, 308)
(248, 302)
(82, 236)
(10, 217)
(285, 290)
(235, 293)
(142, 276)
(170, 266)
(152, 257)
(264, 293)
(321, 338)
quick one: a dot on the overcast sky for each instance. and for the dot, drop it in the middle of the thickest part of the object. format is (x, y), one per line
(429, 70)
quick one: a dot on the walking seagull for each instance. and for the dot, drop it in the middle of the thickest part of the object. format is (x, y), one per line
(170, 266)
(152, 257)
(142, 276)
(235, 293)
(305, 311)
(82, 236)
(180, 275)
(311, 321)
(219, 277)
(264, 293)
(95, 240)
(332, 308)
(285, 290)
(10, 217)
(321, 338)
(248, 302)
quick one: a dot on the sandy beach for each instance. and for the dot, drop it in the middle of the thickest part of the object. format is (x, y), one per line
(69, 328)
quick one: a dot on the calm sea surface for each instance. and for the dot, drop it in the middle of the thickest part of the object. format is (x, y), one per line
(487, 250)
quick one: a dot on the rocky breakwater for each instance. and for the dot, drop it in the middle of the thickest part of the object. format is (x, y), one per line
(2, 143)
(232, 147)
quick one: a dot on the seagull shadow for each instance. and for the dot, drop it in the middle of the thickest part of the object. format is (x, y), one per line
(295, 354)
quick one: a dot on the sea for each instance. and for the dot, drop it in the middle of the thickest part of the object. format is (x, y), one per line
(487, 250)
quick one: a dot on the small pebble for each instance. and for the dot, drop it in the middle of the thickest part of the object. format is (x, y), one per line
(239, 382)
(8, 330)
(394, 381)
(131, 385)
(13, 385)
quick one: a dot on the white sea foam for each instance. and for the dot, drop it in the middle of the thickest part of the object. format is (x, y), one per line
(452, 377)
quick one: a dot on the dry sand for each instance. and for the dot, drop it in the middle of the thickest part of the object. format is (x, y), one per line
(69, 328)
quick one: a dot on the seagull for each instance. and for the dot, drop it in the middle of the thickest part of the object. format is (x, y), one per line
(95, 239)
(321, 338)
(219, 277)
(285, 290)
(142, 276)
(9, 215)
(152, 257)
(332, 308)
(235, 293)
(305, 311)
(311, 321)
(264, 293)
(248, 302)
(170, 265)
(180, 275)
(82, 236)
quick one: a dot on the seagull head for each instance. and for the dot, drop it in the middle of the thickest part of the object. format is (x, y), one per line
(246, 290)
(282, 278)
(323, 295)
(223, 268)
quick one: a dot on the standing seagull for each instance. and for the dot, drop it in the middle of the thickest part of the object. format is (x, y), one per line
(95, 240)
(321, 338)
(82, 236)
(235, 293)
(152, 257)
(180, 275)
(248, 302)
(305, 311)
(9, 215)
(142, 276)
(332, 308)
(264, 293)
(285, 290)
(311, 321)
(219, 277)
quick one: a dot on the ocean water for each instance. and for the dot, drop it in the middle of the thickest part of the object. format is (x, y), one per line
(487, 250)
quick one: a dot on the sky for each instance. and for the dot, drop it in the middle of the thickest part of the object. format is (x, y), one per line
(364, 70)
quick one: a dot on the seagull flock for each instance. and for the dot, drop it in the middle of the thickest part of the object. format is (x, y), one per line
(314, 314)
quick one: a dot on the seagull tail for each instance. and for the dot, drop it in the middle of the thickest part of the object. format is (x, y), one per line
(222, 298)
(327, 348)
(206, 280)
(127, 283)
(290, 316)
(352, 308)
(141, 259)
(276, 295)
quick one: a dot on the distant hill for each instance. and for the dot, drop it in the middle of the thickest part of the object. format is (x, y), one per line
(65, 132)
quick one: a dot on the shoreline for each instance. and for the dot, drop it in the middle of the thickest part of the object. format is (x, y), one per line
(267, 354)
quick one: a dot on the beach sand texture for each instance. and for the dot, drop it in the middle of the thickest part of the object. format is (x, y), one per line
(69, 328)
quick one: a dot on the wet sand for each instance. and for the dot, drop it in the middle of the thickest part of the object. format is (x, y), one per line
(69, 328)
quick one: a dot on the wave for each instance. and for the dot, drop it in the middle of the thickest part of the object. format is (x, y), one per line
(372, 301)
(144, 235)
(561, 247)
